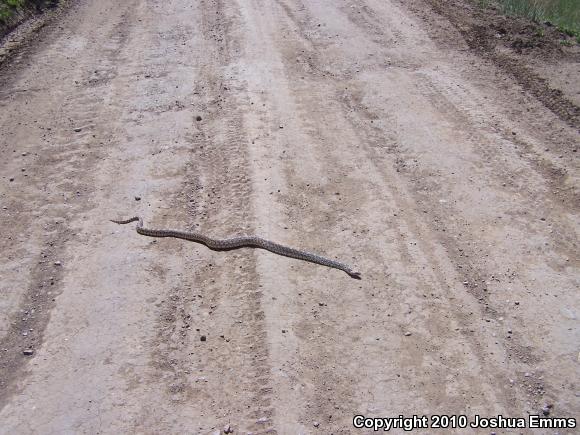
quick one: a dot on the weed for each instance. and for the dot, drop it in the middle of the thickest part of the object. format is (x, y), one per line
(8, 8)
(565, 14)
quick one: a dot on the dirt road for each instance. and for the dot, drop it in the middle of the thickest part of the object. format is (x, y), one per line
(356, 130)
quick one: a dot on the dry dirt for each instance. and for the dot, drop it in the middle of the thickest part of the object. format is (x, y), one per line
(372, 132)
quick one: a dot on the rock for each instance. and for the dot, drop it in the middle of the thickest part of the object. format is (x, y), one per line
(203, 338)
(78, 130)
(57, 263)
(11, 179)
(407, 334)
(228, 429)
(316, 424)
(137, 198)
(198, 118)
(28, 352)
(546, 410)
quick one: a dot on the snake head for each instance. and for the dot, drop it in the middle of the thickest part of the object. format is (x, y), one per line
(355, 275)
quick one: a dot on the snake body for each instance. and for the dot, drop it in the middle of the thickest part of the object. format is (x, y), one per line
(239, 242)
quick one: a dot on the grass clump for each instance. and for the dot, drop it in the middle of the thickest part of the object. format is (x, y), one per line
(8, 8)
(565, 14)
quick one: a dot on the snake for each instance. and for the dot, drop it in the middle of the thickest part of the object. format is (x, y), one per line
(240, 242)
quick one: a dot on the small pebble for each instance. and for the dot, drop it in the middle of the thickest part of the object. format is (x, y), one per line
(57, 263)
(203, 338)
(198, 118)
(11, 179)
(28, 352)
(228, 429)
(137, 198)
(78, 130)
(316, 424)
(407, 334)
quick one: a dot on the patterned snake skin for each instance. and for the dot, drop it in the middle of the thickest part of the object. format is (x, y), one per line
(239, 242)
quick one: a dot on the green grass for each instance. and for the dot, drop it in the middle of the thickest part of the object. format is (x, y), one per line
(8, 8)
(565, 14)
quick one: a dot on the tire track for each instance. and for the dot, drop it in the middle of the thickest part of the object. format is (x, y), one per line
(65, 145)
(227, 310)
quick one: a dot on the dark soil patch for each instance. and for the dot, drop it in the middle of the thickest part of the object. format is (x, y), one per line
(509, 42)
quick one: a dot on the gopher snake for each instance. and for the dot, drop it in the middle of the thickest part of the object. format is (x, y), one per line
(239, 242)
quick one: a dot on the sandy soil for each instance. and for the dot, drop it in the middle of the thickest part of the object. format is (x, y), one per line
(357, 130)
